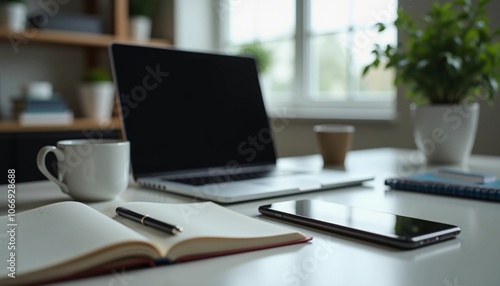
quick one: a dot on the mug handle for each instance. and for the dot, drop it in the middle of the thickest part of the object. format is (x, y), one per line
(40, 160)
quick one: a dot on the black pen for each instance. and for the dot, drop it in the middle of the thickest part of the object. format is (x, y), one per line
(148, 221)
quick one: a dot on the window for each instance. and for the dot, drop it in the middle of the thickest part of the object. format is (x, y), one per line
(319, 49)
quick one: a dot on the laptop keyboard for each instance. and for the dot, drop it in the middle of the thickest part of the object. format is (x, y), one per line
(205, 180)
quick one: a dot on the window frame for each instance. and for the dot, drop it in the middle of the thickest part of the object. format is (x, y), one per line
(301, 104)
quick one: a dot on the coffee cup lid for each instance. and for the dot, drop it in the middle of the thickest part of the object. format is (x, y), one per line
(333, 128)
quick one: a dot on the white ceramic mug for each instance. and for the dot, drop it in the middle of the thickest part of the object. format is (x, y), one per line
(89, 170)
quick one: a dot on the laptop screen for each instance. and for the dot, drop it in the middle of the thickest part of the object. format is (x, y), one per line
(188, 110)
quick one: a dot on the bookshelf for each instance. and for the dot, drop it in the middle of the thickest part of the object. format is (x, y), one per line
(19, 144)
(93, 45)
(79, 124)
(120, 32)
(74, 38)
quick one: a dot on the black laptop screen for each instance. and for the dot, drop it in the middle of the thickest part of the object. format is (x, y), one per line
(187, 110)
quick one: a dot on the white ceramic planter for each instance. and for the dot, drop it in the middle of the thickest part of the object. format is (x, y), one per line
(445, 133)
(13, 16)
(140, 28)
(96, 100)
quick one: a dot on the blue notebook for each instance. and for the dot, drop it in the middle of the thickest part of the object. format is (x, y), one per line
(432, 184)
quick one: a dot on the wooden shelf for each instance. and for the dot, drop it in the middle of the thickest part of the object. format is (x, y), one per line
(120, 31)
(70, 38)
(12, 126)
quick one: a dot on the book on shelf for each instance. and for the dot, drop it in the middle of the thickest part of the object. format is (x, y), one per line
(53, 111)
(39, 105)
(69, 240)
(434, 183)
(46, 118)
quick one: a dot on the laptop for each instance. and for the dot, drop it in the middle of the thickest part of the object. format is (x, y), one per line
(198, 127)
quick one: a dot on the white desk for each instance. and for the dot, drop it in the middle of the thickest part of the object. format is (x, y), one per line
(471, 259)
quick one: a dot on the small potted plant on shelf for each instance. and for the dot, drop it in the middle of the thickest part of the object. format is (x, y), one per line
(447, 66)
(96, 94)
(13, 14)
(140, 12)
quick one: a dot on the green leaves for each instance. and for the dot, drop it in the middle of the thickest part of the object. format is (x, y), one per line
(451, 58)
(97, 74)
(141, 7)
(261, 55)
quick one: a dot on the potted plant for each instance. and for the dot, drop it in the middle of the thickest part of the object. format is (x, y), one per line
(13, 14)
(261, 55)
(97, 94)
(140, 19)
(447, 66)
(262, 58)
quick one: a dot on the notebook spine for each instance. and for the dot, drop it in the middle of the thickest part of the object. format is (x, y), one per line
(445, 189)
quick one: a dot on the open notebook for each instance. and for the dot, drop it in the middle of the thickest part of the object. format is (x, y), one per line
(68, 240)
(198, 126)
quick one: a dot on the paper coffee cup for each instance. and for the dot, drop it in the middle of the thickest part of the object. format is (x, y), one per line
(334, 142)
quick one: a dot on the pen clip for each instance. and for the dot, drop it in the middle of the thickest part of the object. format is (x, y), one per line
(143, 218)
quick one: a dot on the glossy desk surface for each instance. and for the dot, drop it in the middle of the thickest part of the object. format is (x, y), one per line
(471, 259)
